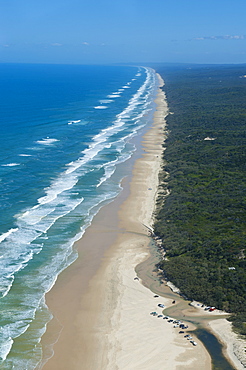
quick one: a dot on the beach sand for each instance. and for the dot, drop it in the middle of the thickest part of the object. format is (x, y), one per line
(101, 308)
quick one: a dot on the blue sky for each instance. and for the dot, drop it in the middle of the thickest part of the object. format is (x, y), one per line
(129, 31)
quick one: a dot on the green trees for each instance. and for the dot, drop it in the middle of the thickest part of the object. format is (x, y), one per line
(202, 221)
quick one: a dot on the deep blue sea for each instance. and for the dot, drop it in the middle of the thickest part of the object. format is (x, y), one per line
(64, 131)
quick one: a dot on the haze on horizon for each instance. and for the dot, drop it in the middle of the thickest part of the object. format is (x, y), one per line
(129, 31)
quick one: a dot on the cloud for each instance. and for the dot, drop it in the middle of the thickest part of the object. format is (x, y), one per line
(225, 37)
(85, 43)
(56, 44)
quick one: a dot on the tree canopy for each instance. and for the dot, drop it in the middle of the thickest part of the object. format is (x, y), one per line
(202, 222)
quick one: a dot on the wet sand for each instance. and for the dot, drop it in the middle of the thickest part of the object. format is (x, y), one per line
(101, 308)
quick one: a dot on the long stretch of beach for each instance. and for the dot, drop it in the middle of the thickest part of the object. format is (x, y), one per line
(100, 306)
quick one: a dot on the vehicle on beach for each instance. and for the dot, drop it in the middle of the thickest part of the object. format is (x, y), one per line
(193, 342)
(153, 313)
(183, 326)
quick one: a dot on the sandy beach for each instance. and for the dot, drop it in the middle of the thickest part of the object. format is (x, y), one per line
(102, 313)
(101, 308)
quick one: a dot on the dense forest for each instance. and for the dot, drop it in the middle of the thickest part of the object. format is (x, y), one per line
(202, 222)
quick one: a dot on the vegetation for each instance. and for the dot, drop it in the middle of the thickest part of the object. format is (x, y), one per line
(202, 223)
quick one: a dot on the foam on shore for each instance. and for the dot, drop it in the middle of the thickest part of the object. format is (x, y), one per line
(101, 309)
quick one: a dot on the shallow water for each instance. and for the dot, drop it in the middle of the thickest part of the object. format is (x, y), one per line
(214, 347)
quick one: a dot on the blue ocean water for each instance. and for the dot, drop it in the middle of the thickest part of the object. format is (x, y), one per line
(64, 131)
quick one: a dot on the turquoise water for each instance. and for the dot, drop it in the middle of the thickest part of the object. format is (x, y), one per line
(64, 131)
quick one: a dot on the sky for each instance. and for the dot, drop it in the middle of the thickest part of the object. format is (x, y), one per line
(117, 31)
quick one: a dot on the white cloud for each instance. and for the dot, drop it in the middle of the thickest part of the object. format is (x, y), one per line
(224, 37)
(56, 44)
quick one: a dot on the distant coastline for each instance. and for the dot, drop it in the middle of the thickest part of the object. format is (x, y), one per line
(104, 322)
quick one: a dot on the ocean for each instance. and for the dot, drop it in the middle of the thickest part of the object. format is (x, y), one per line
(65, 129)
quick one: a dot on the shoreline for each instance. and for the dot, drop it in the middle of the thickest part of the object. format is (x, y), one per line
(233, 345)
(101, 308)
(62, 299)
